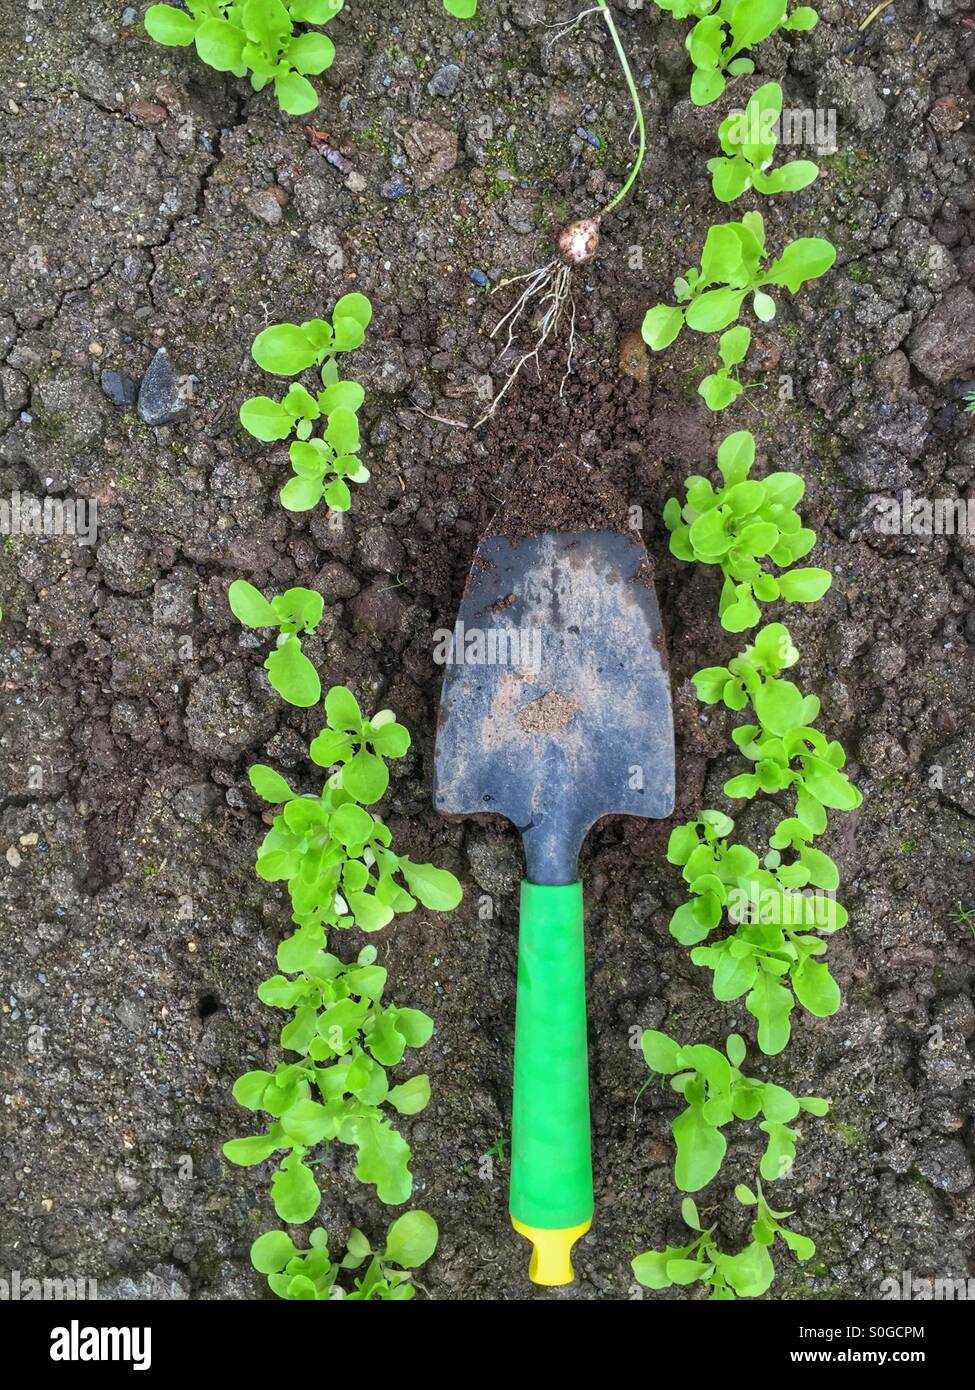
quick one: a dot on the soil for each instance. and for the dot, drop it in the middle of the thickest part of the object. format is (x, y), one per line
(149, 203)
(553, 491)
(547, 715)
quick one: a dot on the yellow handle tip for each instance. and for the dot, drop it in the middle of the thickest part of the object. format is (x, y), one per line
(551, 1261)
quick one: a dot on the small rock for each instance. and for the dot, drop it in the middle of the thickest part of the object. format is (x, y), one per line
(478, 277)
(946, 1165)
(126, 563)
(634, 358)
(379, 549)
(495, 862)
(148, 112)
(335, 581)
(131, 1013)
(444, 81)
(172, 602)
(13, 858)
(120, 389)
(957, 761)
(194, 803)
(223, 716)
(433, 149)
(160, 399)
(356, 182)
(885, 661)
(395, 188)
(943, 346)
(377, 609)
(266, 205)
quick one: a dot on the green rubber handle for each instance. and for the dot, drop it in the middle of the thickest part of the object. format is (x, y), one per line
(551, 1155)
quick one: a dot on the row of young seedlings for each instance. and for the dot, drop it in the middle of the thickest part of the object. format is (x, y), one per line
(775, 906)
(336, 858)
(266, 41)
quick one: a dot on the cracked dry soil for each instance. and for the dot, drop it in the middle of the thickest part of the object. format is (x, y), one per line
(149, 202)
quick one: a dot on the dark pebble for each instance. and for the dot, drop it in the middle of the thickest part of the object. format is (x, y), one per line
(160, 402)
(120, 389)
(479, 278)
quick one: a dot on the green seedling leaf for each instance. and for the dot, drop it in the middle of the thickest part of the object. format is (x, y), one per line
(294, 1192)
(249, 606)
(170, 26)
(220, 44)
(269, 785)
(412, 1239)
(436, 889)
(661, 325)
(293, 676)
(411, 1096)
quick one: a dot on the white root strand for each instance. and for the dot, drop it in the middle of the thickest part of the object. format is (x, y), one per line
(551, 288)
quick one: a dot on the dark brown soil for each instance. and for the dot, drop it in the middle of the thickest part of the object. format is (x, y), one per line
(137, 213)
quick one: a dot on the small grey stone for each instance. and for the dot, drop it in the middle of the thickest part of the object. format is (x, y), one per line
(126, 563)
(946, 1165)
(131, 1013)
(884, 661)
(223, 716)
(119, 388)
(495, 861)
(194, 803)
(943, 346)
(444, 81)
(172, 601)
(160, 401)
(395, 188)
(379, 549)
(264, 204)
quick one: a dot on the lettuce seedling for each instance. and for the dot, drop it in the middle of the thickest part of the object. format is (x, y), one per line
(717, 1093)
(341, 871)
(722, 386)
(748, 1274)
(725, 29)
(310, 1274)
(324, 466)
(787, 752)
(733, 266)
(256, 37)
(748, 141)
(334, 855)
(345, 1038)
(742, 524)
(290, 672)
(774, 918)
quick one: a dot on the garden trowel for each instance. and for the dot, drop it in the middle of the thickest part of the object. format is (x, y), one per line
(555, 711)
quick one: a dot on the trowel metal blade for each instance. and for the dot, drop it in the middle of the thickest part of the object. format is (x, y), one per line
(556, 706)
